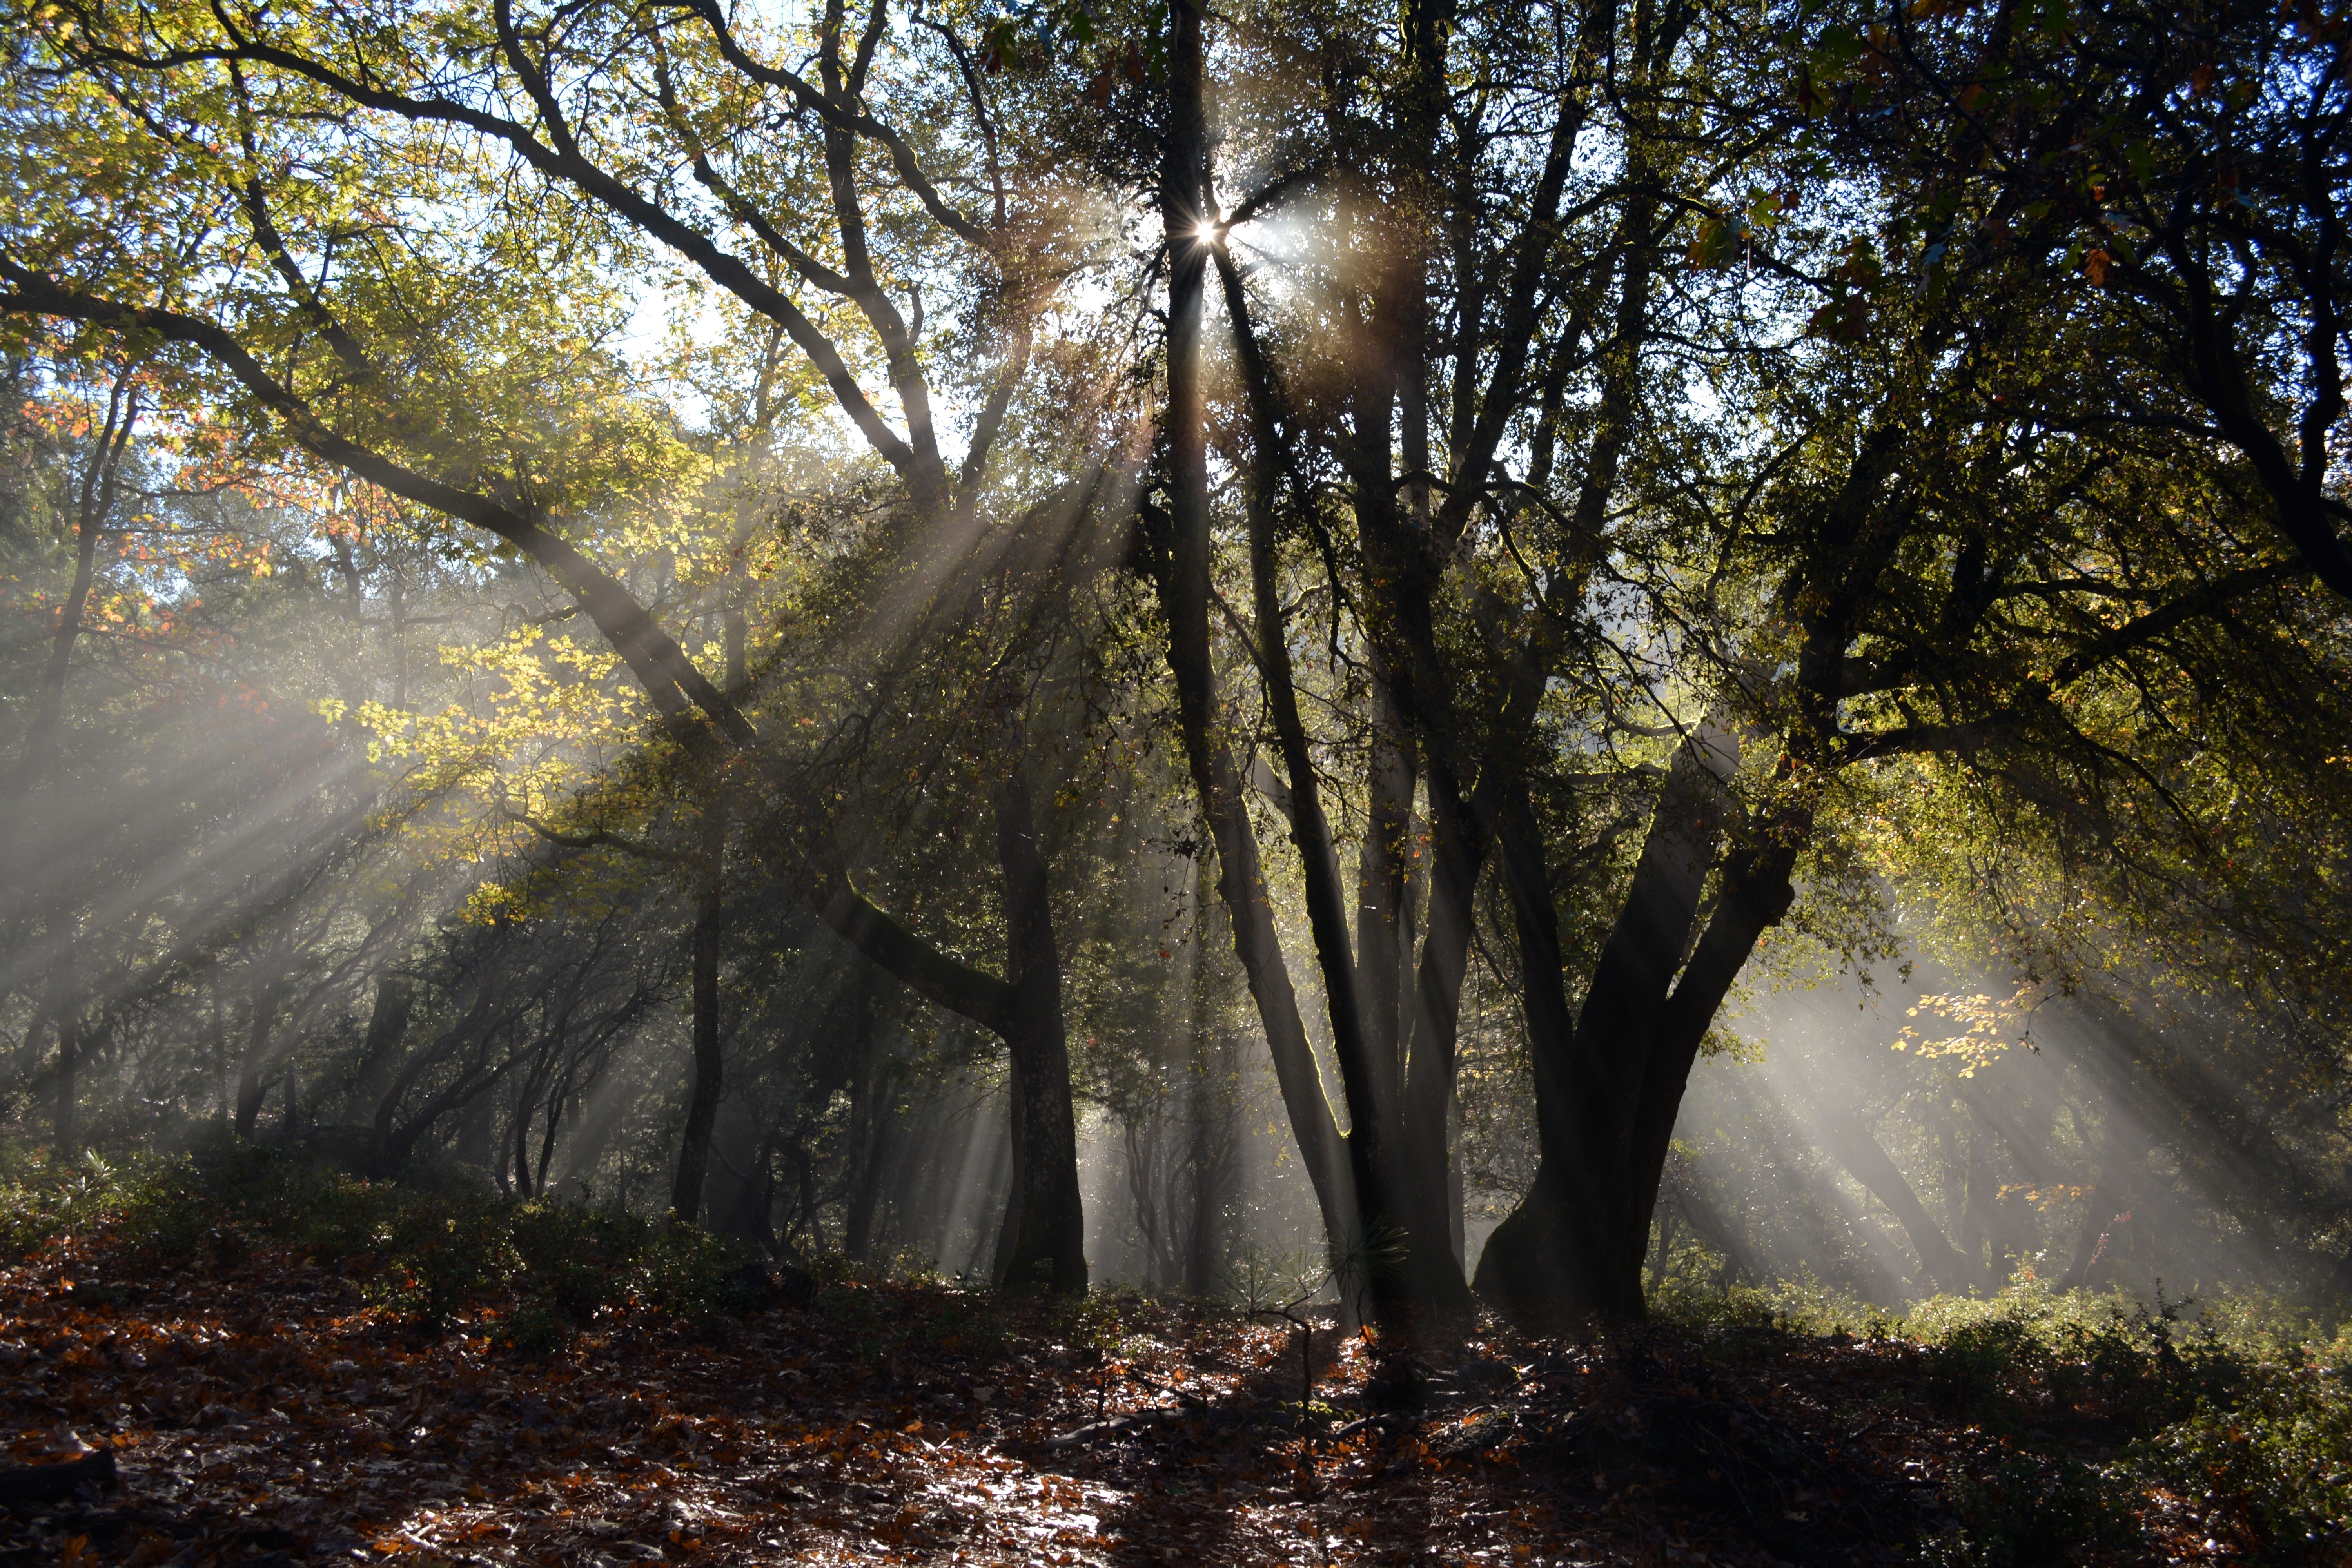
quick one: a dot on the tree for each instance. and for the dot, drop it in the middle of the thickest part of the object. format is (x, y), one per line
(97, 492)
(2185, 173)
(698, 87)
(1821, 588)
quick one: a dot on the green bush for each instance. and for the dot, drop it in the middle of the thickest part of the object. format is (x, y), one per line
(534, 1328)
(2278, 1459)
(2239, 1411)
(2035, 1511)
(971, 1325)
(432, 1248)
(41, 1202)
(1979, 1363)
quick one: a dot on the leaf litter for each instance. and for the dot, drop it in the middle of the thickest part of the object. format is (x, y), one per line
(267, 1413)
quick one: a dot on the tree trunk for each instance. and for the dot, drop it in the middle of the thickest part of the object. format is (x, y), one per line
(710, 928)
(1566, 1243)
(387, 1026)
(474, 1129)
(253, 1079)
(1210, 1112)
(710, 1065)
(62, 1003)
(526, 1113)
(68, 1133)
(1183, 584)
(1756, 893)
(1455, 1184)
(874, 1158)
(1852, 1144)
(100, 478)
(1432, 995)
(1201, 1243)
(1048, 1232)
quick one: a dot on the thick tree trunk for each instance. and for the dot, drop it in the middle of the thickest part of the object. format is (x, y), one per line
(1756, 893)
(1048, 1226)
(1384, 924)
(1432, 996)
(1575, 1242)
(1556, 1246)
(387, 1024)
(526, 1106)
(874, 1161)
(1409, 1019)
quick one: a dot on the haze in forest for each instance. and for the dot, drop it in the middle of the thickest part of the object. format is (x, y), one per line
(1541, 655)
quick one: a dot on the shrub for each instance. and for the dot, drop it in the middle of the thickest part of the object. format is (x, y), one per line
(431, 1247)
(41, 1202)
(2277, 1459)
(1978, 1362)
(2032, 1511)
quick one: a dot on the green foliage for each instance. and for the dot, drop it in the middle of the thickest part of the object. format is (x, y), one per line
(41, 1201)
(2278, 1457)
(2236, 1409)
(435, 1248)
(2034, 1509)
(1688, 1281)
(1968, 1371)
(971, 1325)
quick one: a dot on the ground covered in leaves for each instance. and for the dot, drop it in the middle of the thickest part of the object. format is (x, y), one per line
(270, 1400)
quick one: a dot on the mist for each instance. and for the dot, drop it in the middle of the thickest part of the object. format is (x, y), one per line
(1524, 698)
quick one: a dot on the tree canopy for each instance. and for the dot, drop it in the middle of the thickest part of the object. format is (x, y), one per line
(889, 629)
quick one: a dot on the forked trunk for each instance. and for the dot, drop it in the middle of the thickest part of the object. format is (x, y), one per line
(1608, 1085)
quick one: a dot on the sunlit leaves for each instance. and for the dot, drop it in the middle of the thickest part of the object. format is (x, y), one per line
(1988, 1027)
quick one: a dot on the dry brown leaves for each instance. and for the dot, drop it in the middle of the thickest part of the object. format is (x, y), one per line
(268, 1416)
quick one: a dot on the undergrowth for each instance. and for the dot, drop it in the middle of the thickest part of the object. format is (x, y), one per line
(2101, 1421)
(429, 1248)
(2082, 1427)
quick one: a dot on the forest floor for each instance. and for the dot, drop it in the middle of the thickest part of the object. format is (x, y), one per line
(266, 1407)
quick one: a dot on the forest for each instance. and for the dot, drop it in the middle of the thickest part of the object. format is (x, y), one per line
(1480, 781)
